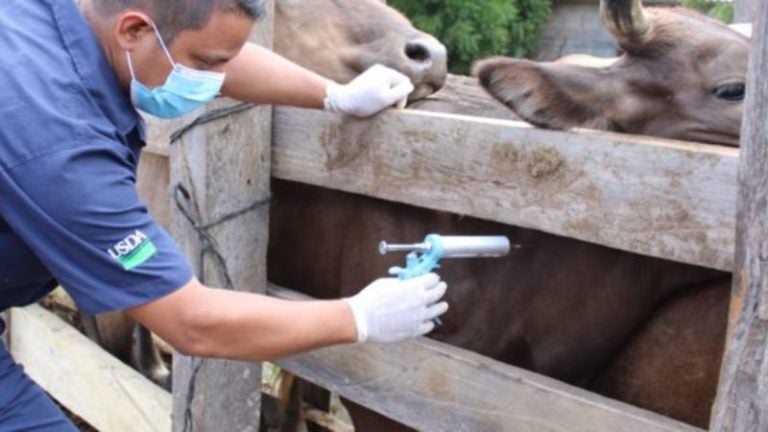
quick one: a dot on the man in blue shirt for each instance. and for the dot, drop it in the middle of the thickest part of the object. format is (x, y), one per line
(73, 74)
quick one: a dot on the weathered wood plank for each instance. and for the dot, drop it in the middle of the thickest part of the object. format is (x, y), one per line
(83, 377)
(662, 198)
(742, 400)
(680, 208)
(433, 387)
(224, 165)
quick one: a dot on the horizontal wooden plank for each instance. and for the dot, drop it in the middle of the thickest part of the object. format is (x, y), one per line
(86, 379)
(662, 198)
(432, 386)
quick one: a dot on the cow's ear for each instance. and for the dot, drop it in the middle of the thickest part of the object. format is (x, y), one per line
(548, 95)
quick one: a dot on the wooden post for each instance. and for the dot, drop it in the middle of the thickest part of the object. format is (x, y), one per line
(223, 164)
(742, 399)
(745, 10)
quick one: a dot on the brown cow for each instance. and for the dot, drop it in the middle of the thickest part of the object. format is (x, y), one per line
(640, 329)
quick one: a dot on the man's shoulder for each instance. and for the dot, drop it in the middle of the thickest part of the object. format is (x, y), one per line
(42, 116)
(46, 105)
(33, 49)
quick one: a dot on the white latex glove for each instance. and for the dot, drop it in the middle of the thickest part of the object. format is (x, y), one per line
(393, 310)
(372, 91)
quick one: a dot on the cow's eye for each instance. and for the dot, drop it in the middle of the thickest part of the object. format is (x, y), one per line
(730, 92)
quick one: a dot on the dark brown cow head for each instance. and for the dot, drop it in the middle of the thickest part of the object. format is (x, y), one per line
(341, 38)
(682, 76)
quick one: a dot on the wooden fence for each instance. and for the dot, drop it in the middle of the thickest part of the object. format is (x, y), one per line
(663, 198)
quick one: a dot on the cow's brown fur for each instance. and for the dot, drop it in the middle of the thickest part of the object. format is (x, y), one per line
(678, 351)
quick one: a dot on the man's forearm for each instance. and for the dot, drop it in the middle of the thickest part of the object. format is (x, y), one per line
(243, 326)
(262, 328)
(260, 76)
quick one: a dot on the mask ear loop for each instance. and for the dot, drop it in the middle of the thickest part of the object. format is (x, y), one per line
(162, 44)
(130, 64)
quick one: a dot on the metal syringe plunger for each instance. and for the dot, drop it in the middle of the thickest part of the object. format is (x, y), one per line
(385, 247)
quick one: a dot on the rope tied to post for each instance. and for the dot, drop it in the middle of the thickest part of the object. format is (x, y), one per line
(181, 197)
(208, 117)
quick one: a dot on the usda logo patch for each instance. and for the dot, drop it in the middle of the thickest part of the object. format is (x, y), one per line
(133, 250)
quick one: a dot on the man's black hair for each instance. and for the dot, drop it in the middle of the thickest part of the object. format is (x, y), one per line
(174, 16)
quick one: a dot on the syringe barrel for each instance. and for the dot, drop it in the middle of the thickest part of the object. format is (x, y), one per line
(471, 246)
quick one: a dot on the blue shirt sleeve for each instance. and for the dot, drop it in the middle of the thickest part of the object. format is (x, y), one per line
(77, 209)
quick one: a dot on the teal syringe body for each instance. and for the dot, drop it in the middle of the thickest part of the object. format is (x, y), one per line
(419, 263)
(425, 257)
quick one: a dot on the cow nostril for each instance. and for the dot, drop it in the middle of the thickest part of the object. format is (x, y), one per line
(426, 62)
(418, 51)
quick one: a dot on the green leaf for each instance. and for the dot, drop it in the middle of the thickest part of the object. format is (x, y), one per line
(719, 9)
(473, 29)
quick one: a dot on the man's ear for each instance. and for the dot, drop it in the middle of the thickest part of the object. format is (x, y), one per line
(131, 27)
(548, 95)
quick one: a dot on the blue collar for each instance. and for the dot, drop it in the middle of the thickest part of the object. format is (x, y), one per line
(98, 77)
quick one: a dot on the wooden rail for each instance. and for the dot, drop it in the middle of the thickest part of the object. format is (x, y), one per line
(102, 390)
(662, 198)
(669, 199)
(432, 386)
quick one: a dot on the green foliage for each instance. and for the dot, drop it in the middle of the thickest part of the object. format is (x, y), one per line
(719, 9)
(472, 29)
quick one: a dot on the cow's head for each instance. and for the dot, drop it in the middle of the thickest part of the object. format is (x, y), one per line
(341, 38)
(682, 75)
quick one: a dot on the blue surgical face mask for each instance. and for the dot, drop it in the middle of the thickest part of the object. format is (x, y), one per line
(184, 90)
